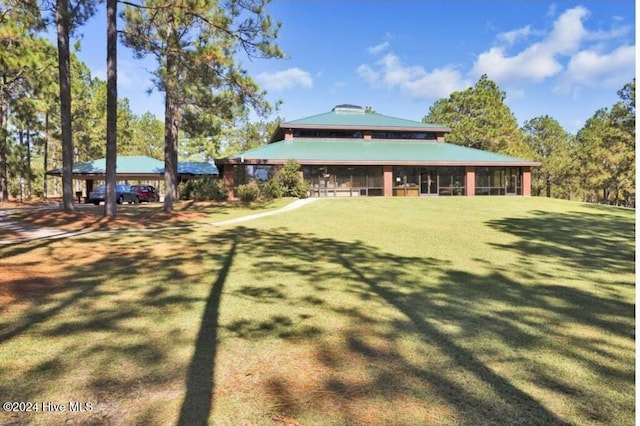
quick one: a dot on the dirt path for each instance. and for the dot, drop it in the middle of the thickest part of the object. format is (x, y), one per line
(20, 232)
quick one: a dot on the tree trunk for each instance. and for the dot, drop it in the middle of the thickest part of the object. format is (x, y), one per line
(112, 109)
(29, 172)
(45, 154)
(170, 153)
(4, 187)
(171, 116)
(64, 71)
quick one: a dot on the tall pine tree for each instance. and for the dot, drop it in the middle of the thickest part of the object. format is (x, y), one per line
(195, 44)
(479, 118)
(23, 58)
(552, 147)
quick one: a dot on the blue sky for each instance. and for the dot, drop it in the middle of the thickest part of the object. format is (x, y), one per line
(564, 59)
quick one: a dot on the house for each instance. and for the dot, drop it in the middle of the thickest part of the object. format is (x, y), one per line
(136, 168)
(348, 152)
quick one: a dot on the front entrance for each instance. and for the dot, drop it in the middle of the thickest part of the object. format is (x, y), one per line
(512, 181)
(429, 181)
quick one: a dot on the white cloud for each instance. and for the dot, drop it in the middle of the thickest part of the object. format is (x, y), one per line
(568, 31)
(592, 68)
(568, 52)
(511, 37)
(538, 61)
(413, 80)
(614, 33)
(439, 83)
(375, 50)
(397, 74)
(367, 74)
(548, 57)
(533, 64)
(287, 79)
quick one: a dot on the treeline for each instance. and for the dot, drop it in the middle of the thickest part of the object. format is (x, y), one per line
(30, 126)
(30, 135)
(53, 112)
(597, 164)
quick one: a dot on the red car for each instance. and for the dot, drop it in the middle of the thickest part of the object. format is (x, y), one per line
(146, 193)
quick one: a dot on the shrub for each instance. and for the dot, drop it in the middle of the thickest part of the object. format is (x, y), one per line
(207, 188)
(301, 190)
(218, 191)
(248, 192)
(286, 182)
(272, 189)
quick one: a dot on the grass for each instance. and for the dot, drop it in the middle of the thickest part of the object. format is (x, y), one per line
(344, 312)
(90, 217)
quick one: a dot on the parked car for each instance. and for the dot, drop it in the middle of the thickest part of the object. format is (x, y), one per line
(146, 193)
(123, 194)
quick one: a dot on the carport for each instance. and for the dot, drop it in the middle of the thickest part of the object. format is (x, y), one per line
(138, 168)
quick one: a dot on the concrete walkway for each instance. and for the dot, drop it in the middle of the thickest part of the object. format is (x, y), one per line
(27, 232)
(296, 204)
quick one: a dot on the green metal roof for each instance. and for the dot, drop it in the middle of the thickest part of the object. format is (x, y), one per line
(355, 117)
(138, 165)
(196, 168)
(380, 152)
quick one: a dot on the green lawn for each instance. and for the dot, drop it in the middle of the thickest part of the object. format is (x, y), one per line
(370, 311)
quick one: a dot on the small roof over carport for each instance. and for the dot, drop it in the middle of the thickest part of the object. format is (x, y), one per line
(136, 167)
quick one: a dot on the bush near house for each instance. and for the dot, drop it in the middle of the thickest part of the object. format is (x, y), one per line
(286, 182)
(207, 188)
(248, 192)
(291, 183)
(272, 189)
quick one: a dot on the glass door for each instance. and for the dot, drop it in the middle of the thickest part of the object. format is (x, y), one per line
(512, 181)
(429, 182)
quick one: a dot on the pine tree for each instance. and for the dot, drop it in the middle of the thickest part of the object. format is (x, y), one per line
(552, 147)
(195, 43)
(23, 59)
(68, 15)
(479, 118)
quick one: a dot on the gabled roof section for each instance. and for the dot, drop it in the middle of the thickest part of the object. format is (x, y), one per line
(354, 117)
(196, 168)
(124, 164)
(137, 166)
(374, 152)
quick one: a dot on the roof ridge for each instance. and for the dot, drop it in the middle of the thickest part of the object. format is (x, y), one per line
(304, 118)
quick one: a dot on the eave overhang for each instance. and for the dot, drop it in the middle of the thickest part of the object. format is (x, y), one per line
(292, 126)
(321, 151)
(136, 167)
(425, 163)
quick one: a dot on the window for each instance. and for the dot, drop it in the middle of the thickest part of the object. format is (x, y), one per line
(498, 181)
(409, 176)
(338, 134)
(404, 135)
(451, 181)
(249, 173)
(349, 181)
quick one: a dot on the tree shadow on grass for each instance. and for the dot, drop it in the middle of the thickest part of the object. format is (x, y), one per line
(383, 303)
(453, 313)
(88, 300)
(591, 241)
(198, 401)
